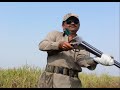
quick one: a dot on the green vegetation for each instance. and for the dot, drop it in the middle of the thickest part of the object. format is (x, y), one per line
(23, 77)
(101, 81)
(27, 77)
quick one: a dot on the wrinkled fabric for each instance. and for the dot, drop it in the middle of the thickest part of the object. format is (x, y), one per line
(46, 80)
(54, 80)
(72, 59)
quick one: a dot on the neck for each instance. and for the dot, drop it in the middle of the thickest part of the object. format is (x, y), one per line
(71, 36)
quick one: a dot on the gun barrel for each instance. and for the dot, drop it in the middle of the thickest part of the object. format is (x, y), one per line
(117, 63)
(96, 52)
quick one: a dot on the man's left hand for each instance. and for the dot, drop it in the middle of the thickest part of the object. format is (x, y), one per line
(105, 60)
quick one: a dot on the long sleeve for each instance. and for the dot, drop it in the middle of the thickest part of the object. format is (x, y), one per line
(84, 60)
(50, 43)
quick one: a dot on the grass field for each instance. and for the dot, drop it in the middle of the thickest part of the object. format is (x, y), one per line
(27, 77)
(101, 81)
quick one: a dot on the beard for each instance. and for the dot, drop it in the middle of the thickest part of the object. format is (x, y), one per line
(73, 31)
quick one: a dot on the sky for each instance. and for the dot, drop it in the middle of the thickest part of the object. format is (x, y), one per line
(24, 24)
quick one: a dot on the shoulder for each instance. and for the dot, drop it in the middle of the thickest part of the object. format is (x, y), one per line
(55, 32)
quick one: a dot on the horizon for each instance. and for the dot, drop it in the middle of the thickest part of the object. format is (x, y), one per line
(23, 25)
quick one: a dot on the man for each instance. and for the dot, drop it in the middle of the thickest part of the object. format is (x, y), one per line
(64, 59)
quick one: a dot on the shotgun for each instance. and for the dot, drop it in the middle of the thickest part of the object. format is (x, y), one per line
(91, 49)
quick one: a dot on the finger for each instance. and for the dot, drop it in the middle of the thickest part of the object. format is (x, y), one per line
(67, 45)
(65, 48)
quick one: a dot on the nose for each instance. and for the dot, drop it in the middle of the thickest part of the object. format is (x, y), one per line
(72, 22)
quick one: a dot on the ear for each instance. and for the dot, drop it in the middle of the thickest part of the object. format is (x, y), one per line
(63, 26)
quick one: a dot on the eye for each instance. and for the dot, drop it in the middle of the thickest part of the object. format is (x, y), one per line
(68, 21)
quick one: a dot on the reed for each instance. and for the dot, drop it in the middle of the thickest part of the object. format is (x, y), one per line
(27, 77)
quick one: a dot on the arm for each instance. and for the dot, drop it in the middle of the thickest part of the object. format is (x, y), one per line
(84, 60)
(49, 43)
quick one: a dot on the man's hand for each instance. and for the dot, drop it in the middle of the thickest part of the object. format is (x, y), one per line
(65, 46)
(75, 42)
(105, 60)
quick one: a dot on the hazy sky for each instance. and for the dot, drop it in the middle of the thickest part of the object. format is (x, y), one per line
(24, 24)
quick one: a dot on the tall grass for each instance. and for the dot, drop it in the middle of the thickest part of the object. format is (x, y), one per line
(27, 77)
(99, 81)
(23, 77)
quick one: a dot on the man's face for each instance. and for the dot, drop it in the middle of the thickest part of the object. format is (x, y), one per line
(71, 24)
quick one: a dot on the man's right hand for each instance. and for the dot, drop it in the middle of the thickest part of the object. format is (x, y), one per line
(65, 46)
